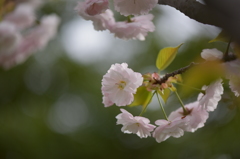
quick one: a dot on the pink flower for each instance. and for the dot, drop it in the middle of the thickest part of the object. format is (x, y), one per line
(233, 74)
(10, 38)
(119, 84)
(137, 29)
(106, 101)
(134, 7)
(211, 54)
(234, 84)
(35, 39)
(136, 125)
(104, 20)
(47, 29)
(34, 3)
(167, 129)
(195, 118)
(94, 7)
(212, 96)
(101, 21)
(22, 17)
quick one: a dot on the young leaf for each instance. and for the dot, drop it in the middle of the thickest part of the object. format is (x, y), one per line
(200, 75)
(222, 36)
(142, 97)
(164, 94)
(166, 56)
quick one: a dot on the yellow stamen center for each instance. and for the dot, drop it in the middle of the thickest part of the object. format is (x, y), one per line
(121, 85)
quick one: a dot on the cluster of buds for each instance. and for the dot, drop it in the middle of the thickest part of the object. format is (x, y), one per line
(155, 82)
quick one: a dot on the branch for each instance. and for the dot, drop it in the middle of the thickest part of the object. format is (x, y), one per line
(179, 71)
(193, 10)
(220, 13)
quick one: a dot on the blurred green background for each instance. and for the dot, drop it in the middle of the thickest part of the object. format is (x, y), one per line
(51, 105)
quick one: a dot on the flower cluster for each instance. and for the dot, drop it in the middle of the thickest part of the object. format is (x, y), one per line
(20, 35)
(103, 19)
(120, 83)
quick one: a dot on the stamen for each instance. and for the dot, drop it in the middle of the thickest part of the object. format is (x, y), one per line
(121, 85)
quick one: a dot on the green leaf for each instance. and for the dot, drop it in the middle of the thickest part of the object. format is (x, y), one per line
(166, 56)
(164, 94)
(202, 74)
(222, 36)
(142, 97)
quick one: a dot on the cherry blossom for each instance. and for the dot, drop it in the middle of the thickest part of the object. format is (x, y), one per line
(211, 54)
(234, 84)
(231, 68)
(22, 17)
(94, 7)
(232, 73)
(136, 29)
(136, 125)
(195, 117)
(104, 20)
(134, 7)
(106, 101)
(10, 38)
(33, 40)
(212, 96)
(101, 21)
(167, 129)
(120, 83)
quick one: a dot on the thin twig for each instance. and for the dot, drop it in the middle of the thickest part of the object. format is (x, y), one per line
(172, 74)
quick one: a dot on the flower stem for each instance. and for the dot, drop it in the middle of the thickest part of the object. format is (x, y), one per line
(196, 89)
(129, 20)
(184, 109)
(225, 56)
(161, 106)
(144, 109)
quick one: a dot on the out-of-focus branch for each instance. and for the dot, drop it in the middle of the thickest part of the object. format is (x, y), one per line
(228, 16)
(193, 10)
(220, 13)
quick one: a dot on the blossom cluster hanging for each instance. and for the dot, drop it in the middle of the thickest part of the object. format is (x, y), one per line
(122, 86)
(102, 16)
(20, 35)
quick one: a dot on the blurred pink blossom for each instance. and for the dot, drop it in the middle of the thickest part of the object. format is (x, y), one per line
(212, 96)
(10, 38)
(231, 68)
(233, 74)
(22, 17)
(94, 7)
(33, 40)
(101, 21)
(136, 29)
(211, 54)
